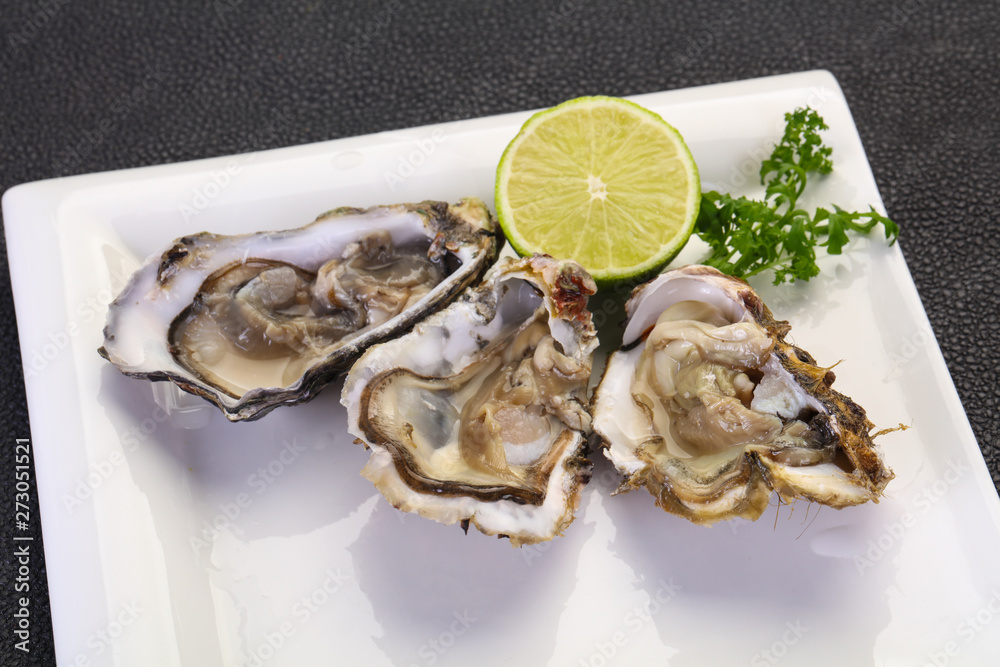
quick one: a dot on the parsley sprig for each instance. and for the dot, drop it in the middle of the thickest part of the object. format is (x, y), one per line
(748, 236)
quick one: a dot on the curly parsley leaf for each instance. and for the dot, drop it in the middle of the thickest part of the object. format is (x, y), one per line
(748, 236)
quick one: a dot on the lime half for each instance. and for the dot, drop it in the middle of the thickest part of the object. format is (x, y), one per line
(602, 181)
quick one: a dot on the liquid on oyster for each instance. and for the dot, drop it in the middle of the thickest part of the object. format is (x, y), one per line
(489, 429)
(262, 323)
(698, 381)
(711, 410)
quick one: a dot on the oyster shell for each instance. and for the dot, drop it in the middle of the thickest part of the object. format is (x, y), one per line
(709, 408)
(254, 321)
(479, 415)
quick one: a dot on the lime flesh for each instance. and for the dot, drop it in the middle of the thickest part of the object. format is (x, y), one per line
(602, 181)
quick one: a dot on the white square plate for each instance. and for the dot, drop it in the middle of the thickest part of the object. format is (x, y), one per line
(174, 537)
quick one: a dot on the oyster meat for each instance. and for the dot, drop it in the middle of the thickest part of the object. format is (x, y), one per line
(479, 415)
(709, 408)
(254, 321)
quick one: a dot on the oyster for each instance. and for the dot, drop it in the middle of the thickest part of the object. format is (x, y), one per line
(709, 408)
(254, 321)
(480, 413)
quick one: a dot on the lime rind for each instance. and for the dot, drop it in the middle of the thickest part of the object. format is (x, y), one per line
(655, 261)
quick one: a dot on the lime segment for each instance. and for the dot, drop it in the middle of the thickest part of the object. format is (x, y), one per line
(602, 181)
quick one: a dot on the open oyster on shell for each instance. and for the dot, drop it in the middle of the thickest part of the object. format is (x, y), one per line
(709, 408)
(254, 321)
(479, 415)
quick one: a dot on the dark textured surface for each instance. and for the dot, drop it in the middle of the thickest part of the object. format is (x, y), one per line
(230, 76)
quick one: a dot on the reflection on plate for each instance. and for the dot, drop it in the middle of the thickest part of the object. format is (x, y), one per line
(174, 537)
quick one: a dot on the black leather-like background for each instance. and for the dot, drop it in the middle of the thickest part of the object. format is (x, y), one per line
(922, 79)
